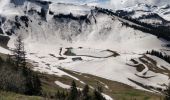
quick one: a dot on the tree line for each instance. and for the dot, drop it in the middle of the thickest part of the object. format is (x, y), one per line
(159, 31)
(71, 16)
(160, 55)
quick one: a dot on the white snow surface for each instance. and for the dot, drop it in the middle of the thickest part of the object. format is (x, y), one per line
(107, 97)
(114, 4)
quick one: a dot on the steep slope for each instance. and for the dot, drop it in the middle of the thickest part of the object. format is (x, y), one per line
(84, 39)
(148, 13)
(114, 4)
(127, 3)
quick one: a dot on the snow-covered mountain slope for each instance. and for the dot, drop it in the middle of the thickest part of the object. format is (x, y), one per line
(85, 39)
(117, 4)
(148, 13)
(114, 4)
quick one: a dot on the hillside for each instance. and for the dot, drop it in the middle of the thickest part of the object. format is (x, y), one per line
(89, 40)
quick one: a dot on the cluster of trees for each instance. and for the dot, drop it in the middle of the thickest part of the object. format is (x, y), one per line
(70, 16)
(160, 55)
(159, 31)
(105, 11)
(124, 13)
(25, 20)
(16, 76)
(151, 15)
(85, 94)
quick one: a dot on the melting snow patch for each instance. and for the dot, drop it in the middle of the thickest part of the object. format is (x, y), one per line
(107, 97)
(65, 86)
(5, 51)
(62, 85)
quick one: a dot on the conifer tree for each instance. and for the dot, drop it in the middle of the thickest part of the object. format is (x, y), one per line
(32, 83)
(97, 94)
(85, 93)
(19, 53)
(73, 95)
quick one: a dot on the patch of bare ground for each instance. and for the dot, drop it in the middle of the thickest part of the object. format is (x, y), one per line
(152, 66)
(139, 67)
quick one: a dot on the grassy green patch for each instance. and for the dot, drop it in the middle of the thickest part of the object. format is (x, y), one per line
(14, 96)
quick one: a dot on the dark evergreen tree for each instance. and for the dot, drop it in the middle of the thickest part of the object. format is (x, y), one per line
(32, 83)
(73, 95)
(100, 89)
(97, 95)
(1, 61)
(61, 95)
(85, 93)
(19, 53)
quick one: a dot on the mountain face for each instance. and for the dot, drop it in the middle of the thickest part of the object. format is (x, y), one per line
(127, 3)
(90, 40)
(158, 15)
(112, 4)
